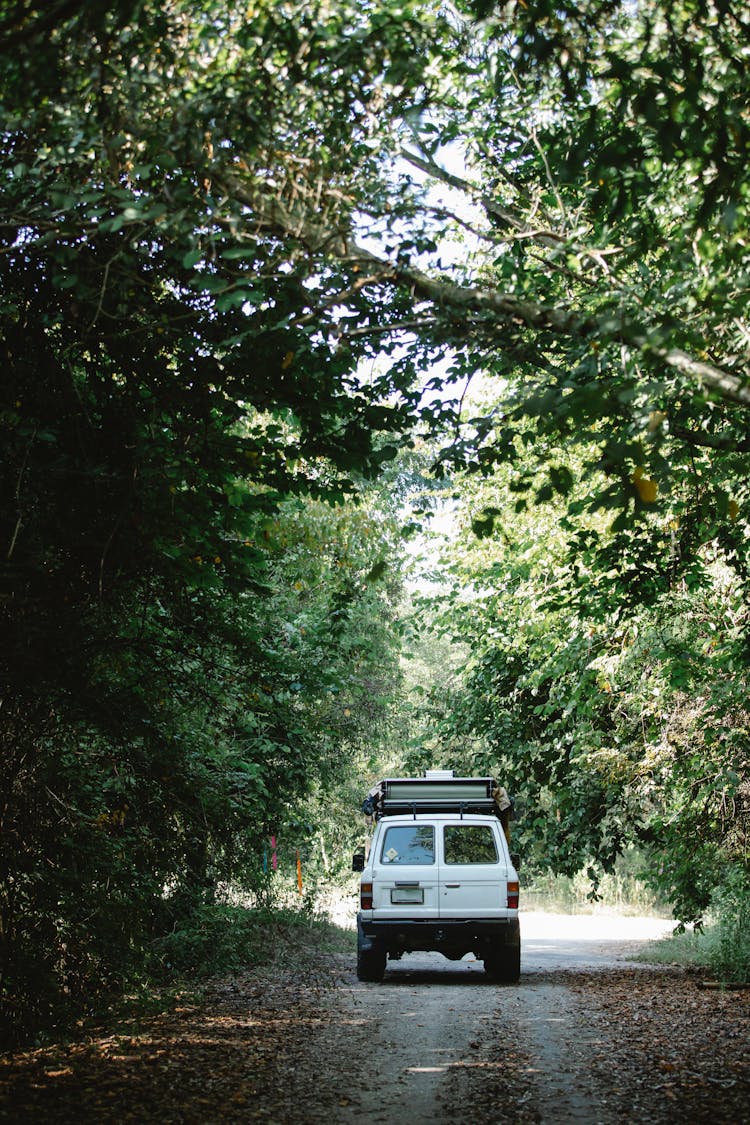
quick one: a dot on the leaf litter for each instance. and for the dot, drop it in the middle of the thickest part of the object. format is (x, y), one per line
(290, 1045)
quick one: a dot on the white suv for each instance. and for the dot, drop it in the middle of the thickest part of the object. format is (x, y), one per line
(439, 877)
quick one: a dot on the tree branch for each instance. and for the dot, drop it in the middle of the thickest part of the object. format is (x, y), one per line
(724, 442)
(489, 205)
(504, 308)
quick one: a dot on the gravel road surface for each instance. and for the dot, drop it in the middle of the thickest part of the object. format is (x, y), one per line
(430, 1019)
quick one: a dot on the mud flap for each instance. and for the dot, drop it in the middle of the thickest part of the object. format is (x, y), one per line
(364, 943)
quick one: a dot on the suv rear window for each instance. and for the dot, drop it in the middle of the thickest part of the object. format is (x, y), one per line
(407, 844)
(469, 843)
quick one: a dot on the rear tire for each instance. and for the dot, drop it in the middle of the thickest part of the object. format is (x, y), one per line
(509, 965)
(371, 964)
(504, 962)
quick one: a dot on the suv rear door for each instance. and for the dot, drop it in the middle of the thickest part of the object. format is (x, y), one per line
(473, 871)
(406, 871)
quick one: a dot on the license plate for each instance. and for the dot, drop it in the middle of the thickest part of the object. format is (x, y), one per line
(402, 895)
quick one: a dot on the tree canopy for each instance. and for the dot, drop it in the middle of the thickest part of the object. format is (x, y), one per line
(250, 257)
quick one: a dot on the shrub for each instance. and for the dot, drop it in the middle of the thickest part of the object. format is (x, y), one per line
(730, 953)
(220, 938)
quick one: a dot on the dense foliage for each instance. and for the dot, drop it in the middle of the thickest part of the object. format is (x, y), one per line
(605, 607)
(203, 722)
(194, 639)
(613, 726)
(233, 241)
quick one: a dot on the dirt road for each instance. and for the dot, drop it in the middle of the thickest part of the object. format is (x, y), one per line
(585, 1037)
(440, 1036)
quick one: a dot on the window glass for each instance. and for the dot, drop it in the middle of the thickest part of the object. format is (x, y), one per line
(408, 844)
(470, 843)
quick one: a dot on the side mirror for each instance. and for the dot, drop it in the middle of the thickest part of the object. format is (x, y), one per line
(515, 859)
(358, 861)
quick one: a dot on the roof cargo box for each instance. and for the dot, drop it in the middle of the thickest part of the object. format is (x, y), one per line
(431, 794)
(438, 791)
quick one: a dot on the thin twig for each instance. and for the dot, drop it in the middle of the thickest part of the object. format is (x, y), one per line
(21, 473)
(102, 291)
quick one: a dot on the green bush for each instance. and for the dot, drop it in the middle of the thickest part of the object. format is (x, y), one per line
(220, 938)
(723, 947)
(730, 952)
(214, 939)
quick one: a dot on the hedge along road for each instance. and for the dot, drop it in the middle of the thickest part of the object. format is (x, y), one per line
(438, 1042)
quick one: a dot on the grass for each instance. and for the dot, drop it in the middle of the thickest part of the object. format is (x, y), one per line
(721, 949)
(620, 892)
(721, 953)
(220, 940)
(691, 949)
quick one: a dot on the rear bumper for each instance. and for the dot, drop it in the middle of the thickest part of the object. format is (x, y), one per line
(464, 935)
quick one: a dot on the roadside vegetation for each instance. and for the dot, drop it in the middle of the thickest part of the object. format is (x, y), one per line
(622, 890)
(721, 946)
(224, 939)
(284, 287)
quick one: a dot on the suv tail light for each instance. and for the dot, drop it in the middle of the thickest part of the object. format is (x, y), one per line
(365, 896)
(512, 896)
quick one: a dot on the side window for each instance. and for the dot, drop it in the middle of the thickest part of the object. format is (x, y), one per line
(469, 843)
(407, 844)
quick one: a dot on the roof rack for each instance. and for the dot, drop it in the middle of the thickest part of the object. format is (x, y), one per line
(438, 791)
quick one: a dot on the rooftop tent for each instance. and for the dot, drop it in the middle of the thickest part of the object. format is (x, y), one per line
(437, 791)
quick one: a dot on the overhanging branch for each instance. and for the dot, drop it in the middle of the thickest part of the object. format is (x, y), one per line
(505, 308)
